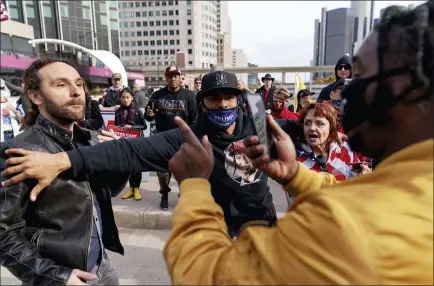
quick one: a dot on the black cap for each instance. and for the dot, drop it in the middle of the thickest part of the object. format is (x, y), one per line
(267, 76)
(220, 81)
(304, 92)
(341, 83)
(172, 70)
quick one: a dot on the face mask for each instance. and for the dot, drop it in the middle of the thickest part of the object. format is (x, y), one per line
(356, 111)
(223, 118)
(338, 103)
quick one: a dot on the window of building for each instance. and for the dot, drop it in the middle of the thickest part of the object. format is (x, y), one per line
(170, 3)
(144, 4)
(171, 23)
(163, 3)
(133, 43)
(47, 12)
(188, 2)
(157, 23)
(152, 52)
(104, 20)
(172, 52)
(124, 4)
(165, 33)
(138, 24)
(177, 32)
(177, 22)
(157, 13)
(127, 53)
(146, 53)
(159, 52)
(157, 3)
(189, 32)
(152, 43)
(114, 25)
(177, 50)
(151, 14)
(170, 12)
(122, 53)
(190, 62)
(145, 24)
(164, 13)
(131, 24)
(137, 4)
(158, 33)
(166, 52)
(138, 14)
(122, 44)
(151, 33)
(145, 33)
(172, 42)
(139, 43)
(133, 53)
(151, 23)
(176, 12)
(63, 11)
(165, 42)
(145, 43)
(189, 22)
(139, 33)
(144, 14)
(177, 42)
(190, 51)
(127, 43)
(164, 23)
(158, 42)
(176, 2)
(140, 52)
(113, 14)
(172, 32)
(150, 3)
(190, 42)
(124, 24)
(131, 5)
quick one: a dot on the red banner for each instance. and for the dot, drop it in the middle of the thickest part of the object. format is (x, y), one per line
(124, 133)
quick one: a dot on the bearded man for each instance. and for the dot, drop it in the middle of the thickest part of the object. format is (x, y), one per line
(62, 236)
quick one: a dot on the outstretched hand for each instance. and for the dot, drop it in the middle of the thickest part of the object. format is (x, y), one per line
(41, 166)
(285, 166)
(194, 159)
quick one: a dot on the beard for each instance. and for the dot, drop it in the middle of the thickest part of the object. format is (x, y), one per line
(63, 113)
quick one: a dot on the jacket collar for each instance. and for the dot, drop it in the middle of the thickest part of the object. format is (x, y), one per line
(61, 134)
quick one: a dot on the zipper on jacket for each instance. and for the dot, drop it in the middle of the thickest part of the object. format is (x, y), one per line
(91, 220)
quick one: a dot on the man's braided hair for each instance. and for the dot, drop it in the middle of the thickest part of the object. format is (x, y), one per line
(406, 38)
(33, 82)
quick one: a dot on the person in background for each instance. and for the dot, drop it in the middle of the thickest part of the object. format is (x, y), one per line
(163, 106)
(197, 85)
(304, 98)
(318, 149)
(93, 119)
(10, 118)
(243, 99)
(128, 116)
(113, 95)
(267, 91)
(279, 109)
(343, 70)
(186, 87)
(375, 229)
(182, 83)
(140, 96)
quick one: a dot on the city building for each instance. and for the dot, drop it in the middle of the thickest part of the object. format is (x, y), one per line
(253, 78)
(239, 59)
(153, 32)
(224, 35)
(91, 24)
(362, 20)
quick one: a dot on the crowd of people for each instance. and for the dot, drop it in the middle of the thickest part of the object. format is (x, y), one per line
(357, 168)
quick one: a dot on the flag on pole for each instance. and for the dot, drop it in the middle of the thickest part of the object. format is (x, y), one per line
(3, 12)
(298, 85)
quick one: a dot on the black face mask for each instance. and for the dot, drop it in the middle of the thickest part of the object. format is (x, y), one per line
(356, 111)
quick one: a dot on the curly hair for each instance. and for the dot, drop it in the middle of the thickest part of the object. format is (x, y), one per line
(406, 38)
(33, 82)
(326, 110)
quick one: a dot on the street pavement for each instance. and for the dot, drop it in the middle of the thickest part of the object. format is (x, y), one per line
(143, 263)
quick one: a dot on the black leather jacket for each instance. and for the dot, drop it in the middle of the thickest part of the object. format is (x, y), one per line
(42, 242)
(269, 103)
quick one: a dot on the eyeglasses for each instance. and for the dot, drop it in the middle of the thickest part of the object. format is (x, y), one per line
(345, 67)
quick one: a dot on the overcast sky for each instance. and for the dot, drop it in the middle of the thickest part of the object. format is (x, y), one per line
(280, 33)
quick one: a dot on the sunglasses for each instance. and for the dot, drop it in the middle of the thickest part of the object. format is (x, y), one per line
(345, 67)
(198, 82)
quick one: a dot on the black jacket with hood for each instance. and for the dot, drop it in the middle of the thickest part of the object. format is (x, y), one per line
(240, 190)
(325, 92)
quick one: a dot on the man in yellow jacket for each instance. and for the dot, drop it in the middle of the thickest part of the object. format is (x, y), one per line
(372, 229)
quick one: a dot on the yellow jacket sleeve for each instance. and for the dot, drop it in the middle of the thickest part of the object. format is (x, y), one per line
(315, 243)
(307, 180)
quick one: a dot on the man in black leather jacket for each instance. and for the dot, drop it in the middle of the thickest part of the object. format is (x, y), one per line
(55, 239)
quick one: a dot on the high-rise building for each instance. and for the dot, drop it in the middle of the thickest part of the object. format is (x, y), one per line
(92, 24)
(153, 32)
(252, 78)
(224, 35)
(362, 19)
(239, 59)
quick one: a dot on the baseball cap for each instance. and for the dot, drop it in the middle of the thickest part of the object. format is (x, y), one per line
(220, 81)
(116, 75)
(341, 83)
(304, 92)
(172, 70)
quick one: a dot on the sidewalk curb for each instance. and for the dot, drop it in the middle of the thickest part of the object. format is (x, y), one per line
(143, 220)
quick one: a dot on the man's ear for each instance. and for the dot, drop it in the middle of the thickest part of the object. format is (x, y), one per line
(34, 96)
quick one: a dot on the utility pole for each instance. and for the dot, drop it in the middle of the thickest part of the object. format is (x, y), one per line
(371, 20)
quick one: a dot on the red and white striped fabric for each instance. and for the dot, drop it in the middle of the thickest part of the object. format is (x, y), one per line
(337, 163)
(3, 12)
